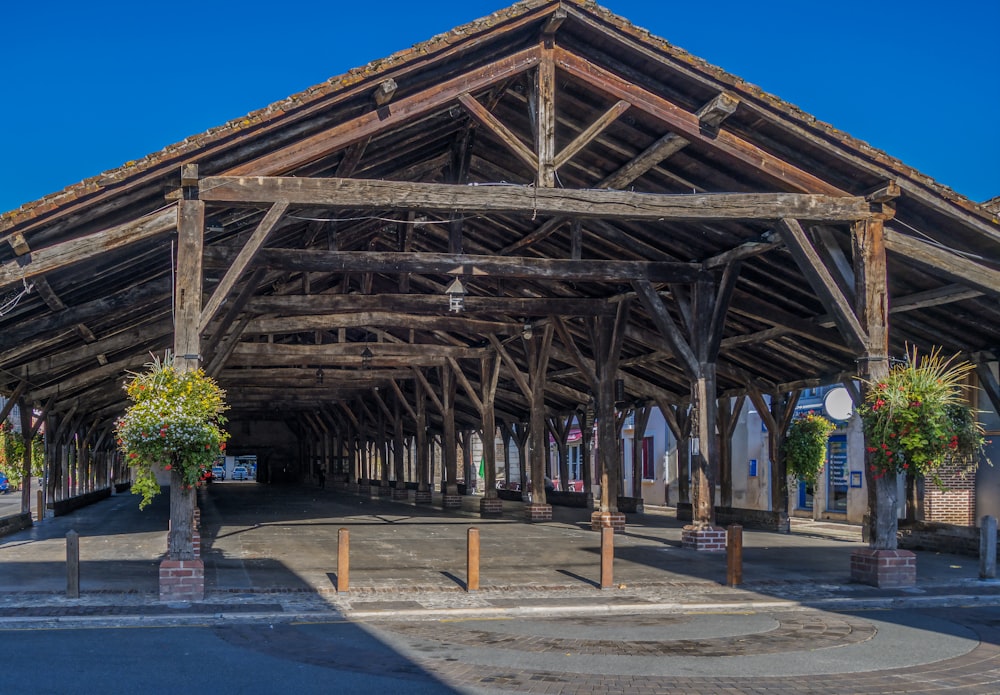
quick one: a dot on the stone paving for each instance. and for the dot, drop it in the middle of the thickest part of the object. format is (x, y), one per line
(539, 623)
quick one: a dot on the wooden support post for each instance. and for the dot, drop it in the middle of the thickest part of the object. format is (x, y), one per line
(607, 557)
(72, 564)
(343, 560)
(734, 555)
(988, 548)
(40, 507)
(472, 561)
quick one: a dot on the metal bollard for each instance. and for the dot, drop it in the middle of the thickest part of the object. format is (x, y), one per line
(73, 564)
(734, 555)
(472, 561)
(607, 557)
(988, 548)
(343, 560)
(40, 507)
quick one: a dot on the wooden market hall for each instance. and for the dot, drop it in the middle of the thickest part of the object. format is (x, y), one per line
(547, 216)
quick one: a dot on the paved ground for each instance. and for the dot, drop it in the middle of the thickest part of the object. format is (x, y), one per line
(539, 622)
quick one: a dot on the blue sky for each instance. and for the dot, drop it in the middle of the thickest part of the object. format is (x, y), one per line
(88, 86)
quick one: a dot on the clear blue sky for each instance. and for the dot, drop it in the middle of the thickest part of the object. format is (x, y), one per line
(88, 86)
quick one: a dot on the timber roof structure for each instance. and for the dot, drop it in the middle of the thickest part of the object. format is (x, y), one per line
(558, 161)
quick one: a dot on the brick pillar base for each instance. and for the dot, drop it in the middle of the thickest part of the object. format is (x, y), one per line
(182, 580)
(384, 491)
(352, 488)
(490, 507)
(423, 497)
(615, 520)
(886, 569)
(536, 511)
(451, 501)
(709, 539)
(400, 493)
(374, 490)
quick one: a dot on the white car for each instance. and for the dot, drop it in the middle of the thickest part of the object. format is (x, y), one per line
(240, 473)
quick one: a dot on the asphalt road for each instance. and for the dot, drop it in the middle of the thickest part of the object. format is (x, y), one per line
(871, 652)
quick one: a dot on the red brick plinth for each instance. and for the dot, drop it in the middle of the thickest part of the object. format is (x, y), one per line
(451, 501)
(384, 491)
(536, 511)
(708, 539)
(886, 569)
(182, 580)
(423, 497)
(615, 520)
(352, 488)
(400, 493)
(374, 490)
(490, 507)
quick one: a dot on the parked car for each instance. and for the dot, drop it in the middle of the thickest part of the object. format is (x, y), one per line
(240, 473)
(4, 483)
(219, 472)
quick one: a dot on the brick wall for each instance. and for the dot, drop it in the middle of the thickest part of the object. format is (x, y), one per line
(956, 504)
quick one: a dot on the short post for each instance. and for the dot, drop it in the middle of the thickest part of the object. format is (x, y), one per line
(607, 557)
(73, 564)
(734, 555)
(988, 548)
(343, 560)
(40, 507)
(472, 561)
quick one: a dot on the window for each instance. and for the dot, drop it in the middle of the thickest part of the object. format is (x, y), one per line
(648, 463)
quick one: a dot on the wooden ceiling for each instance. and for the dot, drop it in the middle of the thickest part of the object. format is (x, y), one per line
(340, 249)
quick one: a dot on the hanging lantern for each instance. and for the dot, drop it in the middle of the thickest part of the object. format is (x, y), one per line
(366, 358)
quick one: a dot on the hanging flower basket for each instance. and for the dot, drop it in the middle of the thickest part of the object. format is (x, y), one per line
(918, 417)
(804, 447)
(175, 424)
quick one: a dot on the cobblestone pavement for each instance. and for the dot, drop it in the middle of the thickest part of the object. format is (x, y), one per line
(539, 624)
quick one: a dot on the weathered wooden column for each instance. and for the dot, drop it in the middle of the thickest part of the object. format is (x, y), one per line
(423, 494)
(28, 432)
(399, 491)
(729, 416)
(586, 443)
(697, 354)
(489, 372)
(881, 564)
(450, 499)
(777, 417)
(641, 415)
(182, 573)
(538, 349)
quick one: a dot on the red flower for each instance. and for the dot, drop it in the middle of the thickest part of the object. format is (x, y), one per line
(167, 467)
(133, 455)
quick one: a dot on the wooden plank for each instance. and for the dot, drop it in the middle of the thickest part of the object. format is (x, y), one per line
(819, 277)
(394, 263)
(243, 258)
(743, 251)
(721, 307)
(512, 365)
(928, 298)
(402, 399)
(592, 131)
(430, 390)
(545, 122)
(941, 260)
(299, 324)
(247, 352)
(502, 132)
(188, 291)
(464, 381)
(687, 125)
(403, 111)
(75, 251)
(666, 326)
(288, 305)
(370, 194)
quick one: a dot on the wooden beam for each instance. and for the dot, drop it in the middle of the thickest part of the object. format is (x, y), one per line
(75, 251)
(688, 126)
(592, 131)
(667, 328)
(289, 305)
(502, 132)
(384, 92)
(344, 133)
(464, 381)
(299, 324)
(370, 194)
(473, 266)
(819, 277)
(545, 121)
(431, 392)
(941, 260)
(241, 263)
(929, 298)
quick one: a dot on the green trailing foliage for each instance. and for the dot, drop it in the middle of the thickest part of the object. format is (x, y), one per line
(175, 423)
(804, 447)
